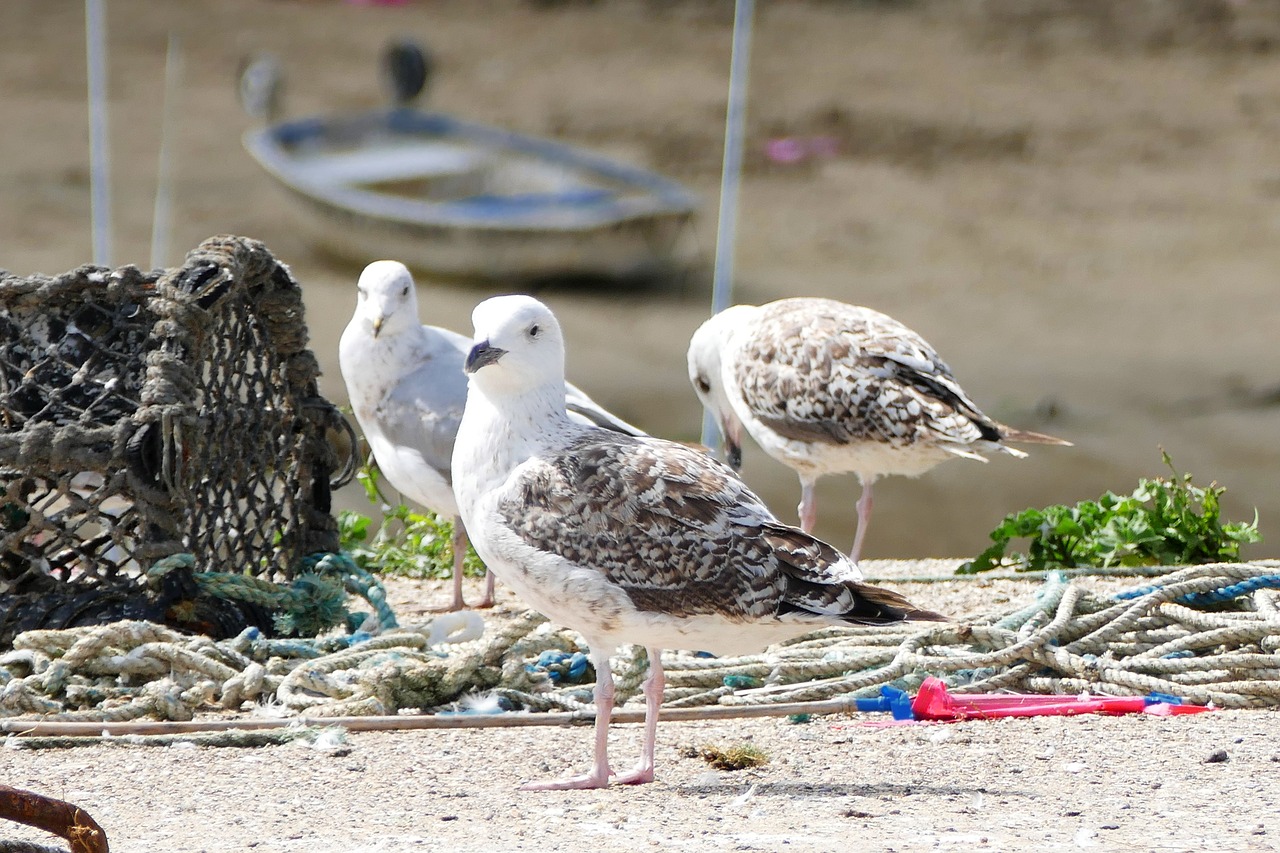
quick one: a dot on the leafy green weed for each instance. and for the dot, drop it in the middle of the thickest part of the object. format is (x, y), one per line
(408, 543)
(1163, 522)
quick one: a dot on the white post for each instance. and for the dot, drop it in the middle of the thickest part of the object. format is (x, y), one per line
(162, 217)
(730, 178)
(99, 172)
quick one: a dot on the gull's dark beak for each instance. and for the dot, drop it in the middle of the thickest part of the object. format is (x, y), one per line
(731, 429)
(733, 454)
(480, 355)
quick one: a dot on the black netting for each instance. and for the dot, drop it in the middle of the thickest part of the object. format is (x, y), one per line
(148, 414)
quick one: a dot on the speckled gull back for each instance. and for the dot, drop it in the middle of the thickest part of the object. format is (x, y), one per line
(681, 535)
(817, 370)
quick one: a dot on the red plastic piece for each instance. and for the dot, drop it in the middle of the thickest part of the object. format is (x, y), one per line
(933, 702)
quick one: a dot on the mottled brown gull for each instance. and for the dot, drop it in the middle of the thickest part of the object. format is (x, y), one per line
(407, 390)
(629, 539)
(830, 388)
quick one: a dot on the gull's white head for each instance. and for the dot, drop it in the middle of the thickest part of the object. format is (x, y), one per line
(517, 346)
(706, 349)
(386, 299)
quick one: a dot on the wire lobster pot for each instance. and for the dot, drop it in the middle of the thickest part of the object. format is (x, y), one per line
(149, 414)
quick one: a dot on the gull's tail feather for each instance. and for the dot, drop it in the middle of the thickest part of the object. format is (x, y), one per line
(879, 606)
(1026, 436)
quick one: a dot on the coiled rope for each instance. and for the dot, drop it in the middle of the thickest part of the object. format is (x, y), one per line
(1206, 633)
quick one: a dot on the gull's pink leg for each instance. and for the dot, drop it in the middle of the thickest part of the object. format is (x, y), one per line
(459, 545)
(653, 688)
(808, 509)
(864, 519)
(598, 776)
(460, 556)
(487, 601)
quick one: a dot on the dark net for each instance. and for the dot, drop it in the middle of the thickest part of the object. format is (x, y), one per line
(144, 415)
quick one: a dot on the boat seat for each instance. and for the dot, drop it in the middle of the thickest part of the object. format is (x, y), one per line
(582, 197)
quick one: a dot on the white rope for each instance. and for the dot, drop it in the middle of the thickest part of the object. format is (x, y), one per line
(1069, 640)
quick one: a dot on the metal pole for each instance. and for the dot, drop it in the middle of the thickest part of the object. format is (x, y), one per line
(162, 216)
(730, 178)
(99, 172)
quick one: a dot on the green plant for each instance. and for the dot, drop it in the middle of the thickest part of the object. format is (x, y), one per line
(408, 543)
(1163, 522)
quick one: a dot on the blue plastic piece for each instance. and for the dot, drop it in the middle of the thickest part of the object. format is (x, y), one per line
(892, 700)
(1163, 699)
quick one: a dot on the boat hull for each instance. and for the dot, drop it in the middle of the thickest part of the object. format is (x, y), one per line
(467, 200)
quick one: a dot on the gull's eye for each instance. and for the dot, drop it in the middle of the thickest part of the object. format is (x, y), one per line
(703, 385)
(405, 291)
(533, 331)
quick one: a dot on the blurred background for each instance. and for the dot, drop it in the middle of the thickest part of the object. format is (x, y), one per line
(1077, 203)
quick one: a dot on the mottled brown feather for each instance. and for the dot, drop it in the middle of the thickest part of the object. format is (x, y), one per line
(680, 534)
(816, 370)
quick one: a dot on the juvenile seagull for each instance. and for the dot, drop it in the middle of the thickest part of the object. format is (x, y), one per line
(829, 388)
(407, 389)
(629, 539)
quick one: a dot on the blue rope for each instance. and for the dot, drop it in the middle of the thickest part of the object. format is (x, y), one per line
(356, 580)
(1047, 599)
(312, 570)
(562, 667)
(1213, 596)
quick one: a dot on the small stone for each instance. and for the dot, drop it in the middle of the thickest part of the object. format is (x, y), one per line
(1217, 757)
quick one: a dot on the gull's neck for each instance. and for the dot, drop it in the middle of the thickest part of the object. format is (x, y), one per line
(533, 414)
(503, 428)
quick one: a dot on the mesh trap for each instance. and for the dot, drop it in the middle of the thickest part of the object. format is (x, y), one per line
(144, 415)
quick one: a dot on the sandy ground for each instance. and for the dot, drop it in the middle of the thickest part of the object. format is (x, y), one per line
(832, 784)
(835, 783)
(1078, 210)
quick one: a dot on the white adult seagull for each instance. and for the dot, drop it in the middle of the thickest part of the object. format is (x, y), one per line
(629, 539)
(830, 388)
(407, 390)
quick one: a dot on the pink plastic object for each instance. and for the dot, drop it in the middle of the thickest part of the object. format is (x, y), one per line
(788, 150)
(933, 702)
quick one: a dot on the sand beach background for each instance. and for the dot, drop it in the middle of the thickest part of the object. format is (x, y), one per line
(1078, 205)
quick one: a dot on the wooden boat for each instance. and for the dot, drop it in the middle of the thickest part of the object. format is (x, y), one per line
(463, 199)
